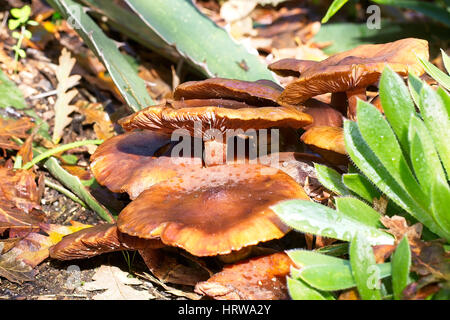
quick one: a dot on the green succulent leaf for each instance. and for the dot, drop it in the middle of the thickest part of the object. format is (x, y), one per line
(327, 273)
(441, 203)
(359, 211)
(401, 263)
(424, 158)
(131, 87)
(414, 86)
(331, 179)
(446, 60)
(397, 104)
(364, 268)
(437, 120)
(299, 290)
(360, 185)
(206, 46)
(370, 165)
(314, 218)
(380, 138)
(436, 73)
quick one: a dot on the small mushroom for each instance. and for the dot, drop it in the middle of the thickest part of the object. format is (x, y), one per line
(323, 114)
(253, 93)
(354, 70)
(291, 67)
(212, 211)
(328, 142)
(198, 121)
(134, 161)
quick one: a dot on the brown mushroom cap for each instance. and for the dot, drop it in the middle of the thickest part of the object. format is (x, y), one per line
(323, 114)
(291, 67)
(214, 210)
(253, 93)
(261, 278)
(127, 163)
(96, 240)
(222, 103)
(356, 68)
(168, 119)
(328, 142)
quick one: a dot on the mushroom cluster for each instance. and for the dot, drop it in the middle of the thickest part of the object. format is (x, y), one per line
(200, 203)
(194, 197)
(348, 76)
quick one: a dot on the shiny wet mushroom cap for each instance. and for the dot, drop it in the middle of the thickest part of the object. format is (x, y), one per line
(214, 210)
(131, 162)
(328, 142)
(253, 93)
(354, 70)
(291, 67)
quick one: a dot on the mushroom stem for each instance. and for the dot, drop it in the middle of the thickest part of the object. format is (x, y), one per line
(352, 97)
(215, 153)
(339, 101)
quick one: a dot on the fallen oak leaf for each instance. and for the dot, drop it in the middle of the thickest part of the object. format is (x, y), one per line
(117, 285)
(62, 105)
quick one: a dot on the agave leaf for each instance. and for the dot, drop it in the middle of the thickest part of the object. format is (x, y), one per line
(424, 157)
(314, 218)
(397, 104)
(333, 8)
(299, 290)
(128, 23)
(382, 141)
(436, 74)
(131, 87)
(371, 166)
(360, 185)
(401, 263)
(364, 269)
(359, 211)
(437, 120)
(441, 203)
(206, 46)
(330, 179)
(328, 273)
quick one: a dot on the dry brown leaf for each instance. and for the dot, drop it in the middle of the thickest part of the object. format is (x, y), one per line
(262, 278)
(10, 128)
(117, 285)
(95, 114)
(62, 105)
(14, 270)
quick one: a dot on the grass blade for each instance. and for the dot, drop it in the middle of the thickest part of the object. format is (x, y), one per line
(436, 74)
(333, 8)
(206, 46)
(131, 87)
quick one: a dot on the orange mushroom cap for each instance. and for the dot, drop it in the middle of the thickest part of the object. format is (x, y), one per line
(261, 278)
(96, 240)
(214, 210)
(167, 119)
(254, 93)
(128, 162)
(291, 67)
(356, 68)
(328, 142)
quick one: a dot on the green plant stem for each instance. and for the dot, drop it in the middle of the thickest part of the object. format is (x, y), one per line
(65, 192)
(61, 148)
(19, 45)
